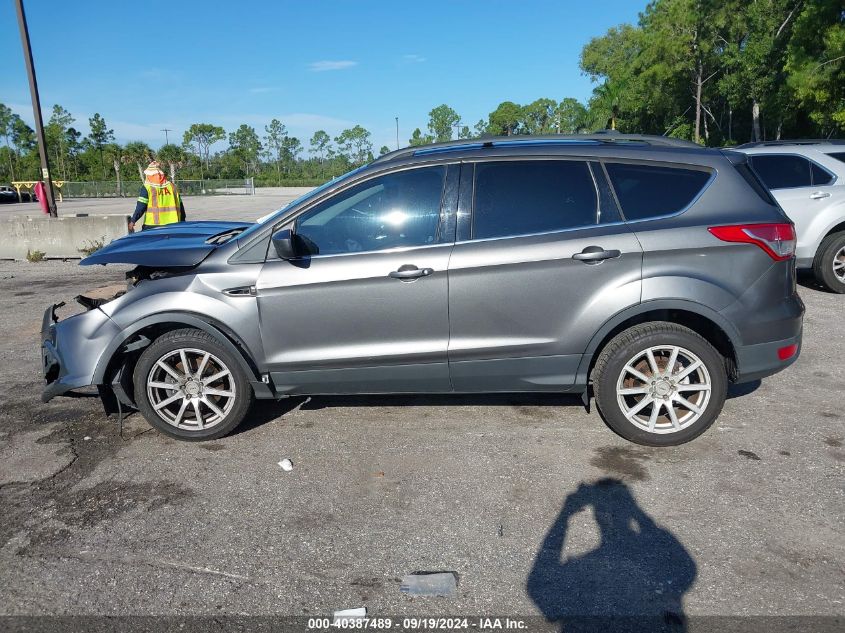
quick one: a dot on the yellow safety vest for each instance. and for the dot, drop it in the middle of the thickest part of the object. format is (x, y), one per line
(162, 205)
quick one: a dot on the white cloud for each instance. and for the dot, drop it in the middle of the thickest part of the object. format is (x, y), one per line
(418, 59)
(324, 65)
(261, 90)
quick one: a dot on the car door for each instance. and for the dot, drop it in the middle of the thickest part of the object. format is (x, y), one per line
(541, 262)
(365, 310)
(801, 187)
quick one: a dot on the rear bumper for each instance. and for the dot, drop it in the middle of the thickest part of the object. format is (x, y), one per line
(758, 361)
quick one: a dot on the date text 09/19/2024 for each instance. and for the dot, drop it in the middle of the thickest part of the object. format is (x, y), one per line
(417, 623)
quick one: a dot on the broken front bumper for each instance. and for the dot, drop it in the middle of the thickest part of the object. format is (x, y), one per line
(71, 349)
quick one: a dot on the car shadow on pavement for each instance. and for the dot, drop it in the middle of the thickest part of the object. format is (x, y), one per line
(737, 391)
(634, 580)
(264, 411)
(806, 279)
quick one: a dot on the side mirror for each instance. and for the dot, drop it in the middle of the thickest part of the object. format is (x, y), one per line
(285, 243)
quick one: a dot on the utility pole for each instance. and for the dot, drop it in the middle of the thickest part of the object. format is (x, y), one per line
(397, 132)
(166, 130)
(36, 110)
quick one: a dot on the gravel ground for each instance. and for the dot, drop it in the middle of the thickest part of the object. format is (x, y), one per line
(534, 503)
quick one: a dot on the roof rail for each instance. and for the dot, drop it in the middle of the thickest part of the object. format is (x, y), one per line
(600, 137)
(798, 141)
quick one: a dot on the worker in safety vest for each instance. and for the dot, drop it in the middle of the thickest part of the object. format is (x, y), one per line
(158, 200)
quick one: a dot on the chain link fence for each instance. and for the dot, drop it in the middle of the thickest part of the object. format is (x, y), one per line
(129, 189)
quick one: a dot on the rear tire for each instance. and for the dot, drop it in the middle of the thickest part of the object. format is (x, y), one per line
(829, 264)
(189, 386)
(659, 384)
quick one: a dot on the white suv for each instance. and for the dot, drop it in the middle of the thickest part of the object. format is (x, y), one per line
(807, 178)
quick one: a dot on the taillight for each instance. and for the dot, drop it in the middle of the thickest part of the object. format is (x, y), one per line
(778, 240)
(785, 353)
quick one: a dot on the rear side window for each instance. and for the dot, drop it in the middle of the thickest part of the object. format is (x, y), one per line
(648, 191)
(781, 171)
(840, 156)
(535, 196)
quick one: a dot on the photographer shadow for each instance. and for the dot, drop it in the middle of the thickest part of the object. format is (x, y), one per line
(634, 580)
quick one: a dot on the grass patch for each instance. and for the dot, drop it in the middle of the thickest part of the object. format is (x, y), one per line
(35, 256)
(92, 246)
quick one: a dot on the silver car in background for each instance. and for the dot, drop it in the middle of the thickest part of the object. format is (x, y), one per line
(807, 178)
(645, 272)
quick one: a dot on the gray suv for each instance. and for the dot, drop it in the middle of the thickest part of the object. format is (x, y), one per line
(647, 272)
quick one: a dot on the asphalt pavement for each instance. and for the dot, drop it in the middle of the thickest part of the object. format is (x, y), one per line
(534, 503)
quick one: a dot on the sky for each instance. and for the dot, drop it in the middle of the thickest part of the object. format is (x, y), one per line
(318, 64)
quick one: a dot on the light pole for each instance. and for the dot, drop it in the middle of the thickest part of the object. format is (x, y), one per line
(36, 110)
(397, 132)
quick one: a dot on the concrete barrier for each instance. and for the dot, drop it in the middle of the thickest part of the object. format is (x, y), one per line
(59, 238)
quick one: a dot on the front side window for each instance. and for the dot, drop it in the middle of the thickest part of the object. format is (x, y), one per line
(782, 171)
(649, 191)
(401, 209)
(533, 196)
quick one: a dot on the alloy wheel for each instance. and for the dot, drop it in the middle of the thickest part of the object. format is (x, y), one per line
(663, 389)
(839, 265)
(191, 389)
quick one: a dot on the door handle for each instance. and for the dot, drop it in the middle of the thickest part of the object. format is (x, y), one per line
(595, 255)
(818, 195)
(409, 272)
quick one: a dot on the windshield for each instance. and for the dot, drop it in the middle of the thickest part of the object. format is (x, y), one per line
(271, 217)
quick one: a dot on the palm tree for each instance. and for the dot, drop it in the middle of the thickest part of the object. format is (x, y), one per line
(139, 153)
(114, 153)
(174, 156)
(605, 102)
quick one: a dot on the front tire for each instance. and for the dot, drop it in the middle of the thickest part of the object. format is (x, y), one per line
(189, 386)
(659, 384)
(829, 265)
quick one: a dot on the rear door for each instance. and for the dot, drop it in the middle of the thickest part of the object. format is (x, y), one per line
(542, 261)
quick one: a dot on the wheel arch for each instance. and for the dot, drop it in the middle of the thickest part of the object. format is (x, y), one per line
(837, 228)
(155, 325)
(705, 321)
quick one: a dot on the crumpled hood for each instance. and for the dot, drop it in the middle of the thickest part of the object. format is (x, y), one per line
(173, 245)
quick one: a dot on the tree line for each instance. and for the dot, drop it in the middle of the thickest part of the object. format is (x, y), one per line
(718, 72)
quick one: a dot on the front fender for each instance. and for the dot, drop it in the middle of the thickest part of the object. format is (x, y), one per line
(199, 321)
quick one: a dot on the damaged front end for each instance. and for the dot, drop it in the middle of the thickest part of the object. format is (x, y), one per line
(71, 349)
(76, 350)
(90, 348)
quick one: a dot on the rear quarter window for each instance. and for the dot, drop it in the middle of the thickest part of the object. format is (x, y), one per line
(648, 191)
(820, 176)
(757, 185)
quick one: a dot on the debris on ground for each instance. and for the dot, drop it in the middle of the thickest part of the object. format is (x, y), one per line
(286, 464)
(86, 438)
(423, 583)
(349, 616)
